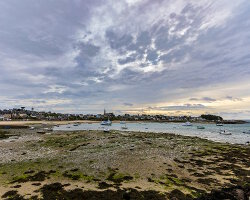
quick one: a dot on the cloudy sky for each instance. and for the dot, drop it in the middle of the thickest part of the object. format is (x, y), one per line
(130, 56)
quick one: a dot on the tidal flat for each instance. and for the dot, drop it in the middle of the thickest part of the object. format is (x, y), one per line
(120, 165)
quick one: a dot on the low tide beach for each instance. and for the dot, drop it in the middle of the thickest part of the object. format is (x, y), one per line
(91, 164)
(240, 133)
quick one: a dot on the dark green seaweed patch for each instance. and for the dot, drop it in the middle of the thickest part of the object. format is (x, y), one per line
(39, 176)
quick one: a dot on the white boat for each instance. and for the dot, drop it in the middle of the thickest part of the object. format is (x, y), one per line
(125, 126)
(187, 124)
(106, 130)
(219, 124)
(106, 123)
(48, 129)
(32, 128)
(225, 132)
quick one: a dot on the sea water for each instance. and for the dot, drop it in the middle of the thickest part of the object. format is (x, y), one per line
(210, 132)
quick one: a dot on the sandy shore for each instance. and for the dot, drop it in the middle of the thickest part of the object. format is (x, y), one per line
(110, 165)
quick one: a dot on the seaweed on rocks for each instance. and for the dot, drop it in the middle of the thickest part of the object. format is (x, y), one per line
(39, 176)
(178, 195)
(12, 195)
(56, 191)
(232, 193)
(104, 185)
(118, 178)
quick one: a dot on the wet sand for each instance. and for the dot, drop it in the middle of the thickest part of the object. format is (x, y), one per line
(118, 165)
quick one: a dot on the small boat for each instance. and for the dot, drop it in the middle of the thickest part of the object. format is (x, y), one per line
(75, 125)
(122, 122)
(224, 132)
(106, 130)
(41, 132)
(14, 137)
(106, 123)
(246, 132)
(200, 127)
(48, 129)
(219, 124)
(125, 126)
(32, 128)
(187, 124)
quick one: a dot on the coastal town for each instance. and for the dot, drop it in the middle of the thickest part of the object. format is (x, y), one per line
(17, 114)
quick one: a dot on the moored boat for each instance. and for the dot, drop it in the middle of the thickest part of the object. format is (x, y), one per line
(225, 132)
(187, 124)
(106, 123)
(200, 127)
(41, 132)
(219, 124)
(125, 126)
(48, 129)
(106, 130)
(246, 132)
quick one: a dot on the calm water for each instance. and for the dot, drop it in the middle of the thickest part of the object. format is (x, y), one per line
(210, 132)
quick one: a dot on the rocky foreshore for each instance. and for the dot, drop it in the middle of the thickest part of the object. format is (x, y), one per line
(120, 165)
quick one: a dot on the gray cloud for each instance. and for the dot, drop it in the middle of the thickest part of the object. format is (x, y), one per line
(179, 108)
(126, 60)
(117, 41)
(234, 98)
(127, 104)
(145, 53)
(208, 99)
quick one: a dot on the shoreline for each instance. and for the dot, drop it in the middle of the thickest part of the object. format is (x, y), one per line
(21, 123)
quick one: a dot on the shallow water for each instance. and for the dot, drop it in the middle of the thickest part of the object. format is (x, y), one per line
(210, 132)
